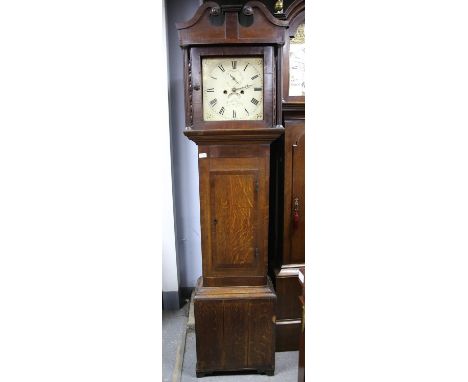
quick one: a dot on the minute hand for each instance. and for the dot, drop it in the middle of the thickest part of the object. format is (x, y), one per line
(243, 87)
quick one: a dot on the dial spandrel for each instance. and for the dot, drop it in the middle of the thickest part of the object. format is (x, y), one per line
(232, 88)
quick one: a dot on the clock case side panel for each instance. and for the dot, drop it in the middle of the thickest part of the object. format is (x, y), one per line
(269, 88)
(275, 234)
(296, 17)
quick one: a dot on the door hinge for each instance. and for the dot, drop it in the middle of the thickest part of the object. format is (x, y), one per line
(256, 186)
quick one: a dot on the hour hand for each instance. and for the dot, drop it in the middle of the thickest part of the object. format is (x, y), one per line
(234, 78)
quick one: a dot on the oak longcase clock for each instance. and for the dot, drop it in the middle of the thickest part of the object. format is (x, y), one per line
(232, 63)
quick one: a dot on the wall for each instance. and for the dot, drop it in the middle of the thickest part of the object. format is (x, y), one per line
(184, 153)
(170, 274)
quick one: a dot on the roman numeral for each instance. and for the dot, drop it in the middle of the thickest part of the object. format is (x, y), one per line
(221, 67)
(234, 64)
(221, 111)
(254, 77)
(213, 77)
(246, 111)
(246, 66)
(233, 114)
(213, 102)
(258, 89)
(254, 101)
(210, 90)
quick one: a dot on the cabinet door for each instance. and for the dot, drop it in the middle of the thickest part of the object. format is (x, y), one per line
(294, 192)
(234, 215)
(234, 206)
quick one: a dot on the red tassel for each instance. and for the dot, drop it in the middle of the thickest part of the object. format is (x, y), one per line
(296, 220)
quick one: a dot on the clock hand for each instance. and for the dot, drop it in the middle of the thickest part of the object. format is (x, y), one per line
(243, 87)
(234, 78)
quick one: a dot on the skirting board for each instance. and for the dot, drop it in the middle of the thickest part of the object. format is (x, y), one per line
(171, 300)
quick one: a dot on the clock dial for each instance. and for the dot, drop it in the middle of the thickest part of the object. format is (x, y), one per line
(232, 88)
(297, 63)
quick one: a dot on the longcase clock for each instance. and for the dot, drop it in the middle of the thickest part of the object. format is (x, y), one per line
(289, 256)
(232, 66)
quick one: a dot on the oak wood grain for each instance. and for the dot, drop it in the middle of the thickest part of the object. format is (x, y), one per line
(234, 214)
(261, 334)
(234, 328)
(210, 321)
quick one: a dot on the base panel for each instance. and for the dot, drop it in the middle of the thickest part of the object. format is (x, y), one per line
(287, 335)
(235, 329)
(288, 308)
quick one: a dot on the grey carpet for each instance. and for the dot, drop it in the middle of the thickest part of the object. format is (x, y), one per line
(285, 368)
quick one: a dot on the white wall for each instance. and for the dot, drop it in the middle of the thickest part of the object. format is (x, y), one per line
(169, 256)
(184, 154)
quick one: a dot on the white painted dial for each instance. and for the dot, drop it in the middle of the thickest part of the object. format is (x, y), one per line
(297, 63)
(232, 88)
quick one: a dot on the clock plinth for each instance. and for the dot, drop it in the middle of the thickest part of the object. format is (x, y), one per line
(235, 328)
(233, 114)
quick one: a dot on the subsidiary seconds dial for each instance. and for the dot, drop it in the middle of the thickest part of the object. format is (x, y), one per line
(232, 88)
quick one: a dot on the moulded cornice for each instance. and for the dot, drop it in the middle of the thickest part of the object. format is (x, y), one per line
(265, 11)
(234, 136)
(201, 30)
(294, 9)
(206, 7)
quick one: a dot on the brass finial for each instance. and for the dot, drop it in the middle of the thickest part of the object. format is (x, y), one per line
(279, 6)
